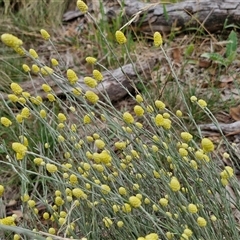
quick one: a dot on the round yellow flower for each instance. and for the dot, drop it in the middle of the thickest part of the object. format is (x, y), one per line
(120, 37)
(46, 88)
(99, 143)
(126, 208)
(33, 53)
(160, 105)
(82, 6)
(159, 120)
(186, 136)
(151, 236)
(6, 122)
(90, 82)
(138, 110)
(26, 68)
(128, 118)
(44, 34)
(51, 97)
(105, 189)
(207, 145)
(35, 68)
(16, 88)
(91, 97)
(120, 224)
(174, 184)
(51, 168)
(54, 62)
(46, 70)
(192, 208)
(1, 190)
(61, 118)
(72, 76)
(202, 103)
(122, 191)
(10, 40)
(157, 38)
(107, 222)
(201, 222)
(97, 75)
(91, 60)
(163, 202)
(193, 98)
(78, 193)
(134, 201)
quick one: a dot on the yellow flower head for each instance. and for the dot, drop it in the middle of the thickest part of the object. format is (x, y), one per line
(160, 105)
(163, 202)
(16, 88)
(157, 37)
(11, 41)
(45, 34)
(107, 222)
(51, 168)
(105, 189)
(51, 97)
(25, 113)
(19, 148)
(134, 201)
(46, 71)
(1, 190)
(72, 76)
(159, 120)
(151, 236)
(192, 208)
(35, 68)
(97, 75)
(193, 98)
(54, 62)
(46, 88)
(202, 103)
(139, 111)
(90, 82)
(91, 97)
(33, 53)
(10, 221)
(120, 37)
(139, 98)
(174, 184)
(186, 136)
(78, 193)
(6, 122)
(82, 6)
(207, 145)
(26, 68)
(128, 118)
(126, 208)
(201, 222)
(61, 118)
(99, 143)
(91, 60)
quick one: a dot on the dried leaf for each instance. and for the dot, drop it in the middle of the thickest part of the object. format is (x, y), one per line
(176, 54)
(235, 113)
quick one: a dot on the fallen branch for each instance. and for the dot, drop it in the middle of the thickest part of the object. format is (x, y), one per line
(226, 128)
(116, 84)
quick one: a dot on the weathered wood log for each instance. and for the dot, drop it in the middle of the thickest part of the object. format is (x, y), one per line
(116, 84)
(186, 15)
(226, 128)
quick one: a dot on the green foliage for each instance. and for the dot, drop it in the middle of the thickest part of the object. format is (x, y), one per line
(230, 54)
